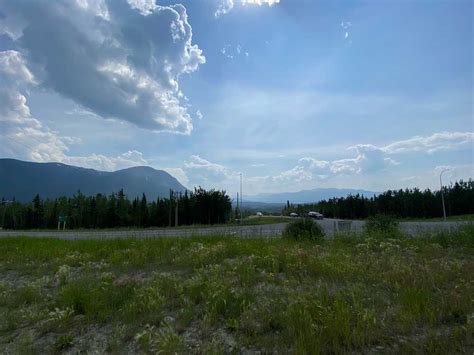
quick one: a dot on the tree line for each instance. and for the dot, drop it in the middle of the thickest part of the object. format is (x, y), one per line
(408, 203)
(116, 210)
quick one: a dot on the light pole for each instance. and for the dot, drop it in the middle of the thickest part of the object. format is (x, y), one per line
(241, 202)
(442, 194)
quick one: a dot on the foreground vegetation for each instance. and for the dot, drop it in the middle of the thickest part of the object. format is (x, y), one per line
(368, 293)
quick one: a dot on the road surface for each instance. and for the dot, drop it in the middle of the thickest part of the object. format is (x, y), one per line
(263, 231)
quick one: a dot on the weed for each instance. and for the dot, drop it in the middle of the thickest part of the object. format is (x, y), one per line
(382, 224)
(303, 229)
(63, 342)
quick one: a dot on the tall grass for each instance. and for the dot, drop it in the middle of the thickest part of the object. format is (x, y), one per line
(375, 292)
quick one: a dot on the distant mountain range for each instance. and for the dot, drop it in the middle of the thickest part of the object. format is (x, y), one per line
(307, 196)
(23, 180)
(261, 206)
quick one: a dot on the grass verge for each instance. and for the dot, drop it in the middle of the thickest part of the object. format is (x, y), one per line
(366, 293)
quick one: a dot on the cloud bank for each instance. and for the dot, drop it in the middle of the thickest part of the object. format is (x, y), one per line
(368, 160)
(119, 59)
(25, 137)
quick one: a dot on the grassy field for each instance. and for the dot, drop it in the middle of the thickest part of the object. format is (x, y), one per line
(358, 294)
(465, 217)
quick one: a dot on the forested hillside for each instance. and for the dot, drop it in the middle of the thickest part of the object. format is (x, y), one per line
(116, 210)
(22, 181)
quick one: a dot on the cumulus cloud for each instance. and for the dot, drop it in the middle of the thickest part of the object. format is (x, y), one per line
(18, 129)
(204, 169)
(225, 6)
(371, 159)
(107, 163)
(179, 174)
(146, 7)
(368, 159)
(363, 161)
(197, 171)
(442, 141)
(25, 137)
(118, 59)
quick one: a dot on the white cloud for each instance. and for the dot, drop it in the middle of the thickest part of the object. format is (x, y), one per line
(226, 51)
(145, 7)
(119, 60)
(205, 168)
(25, 137)
(107, 163)
(346, 25)
(260, 2)
(199, 114)
(442, 141)
(13, 69)
(231, 52)
(197, 171)
(225, 6)
(179, 174)
(371, 159)
(367, 161)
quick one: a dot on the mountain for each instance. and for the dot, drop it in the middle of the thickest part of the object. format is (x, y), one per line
(23, 180)
(261, 206)
(307, 196)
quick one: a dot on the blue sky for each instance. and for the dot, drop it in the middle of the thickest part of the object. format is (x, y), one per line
(294, 94)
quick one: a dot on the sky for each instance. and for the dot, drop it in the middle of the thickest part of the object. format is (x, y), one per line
(293, 94)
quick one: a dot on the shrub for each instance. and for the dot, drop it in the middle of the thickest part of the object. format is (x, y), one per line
(303, 229)
(381, 223)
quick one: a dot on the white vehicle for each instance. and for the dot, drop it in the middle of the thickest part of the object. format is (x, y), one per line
(259, 214)
(293, 214)
(316, 215)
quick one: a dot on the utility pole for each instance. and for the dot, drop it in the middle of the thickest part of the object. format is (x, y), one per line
(442, 194)
(241, 201)
(237, 215)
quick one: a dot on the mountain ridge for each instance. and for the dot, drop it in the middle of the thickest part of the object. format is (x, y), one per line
(307, 196)
(22, 180)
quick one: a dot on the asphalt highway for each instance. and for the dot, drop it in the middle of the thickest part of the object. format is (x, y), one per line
(330, 226)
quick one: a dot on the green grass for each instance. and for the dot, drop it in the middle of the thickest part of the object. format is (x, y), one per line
(464, 217)
(366, 293)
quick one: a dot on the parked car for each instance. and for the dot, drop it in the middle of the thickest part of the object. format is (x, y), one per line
(293, 214)
(315, 215)
(259, 214)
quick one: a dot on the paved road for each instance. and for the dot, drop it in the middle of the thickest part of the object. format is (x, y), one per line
(409, 228)
(267, 230)
(264, 231)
